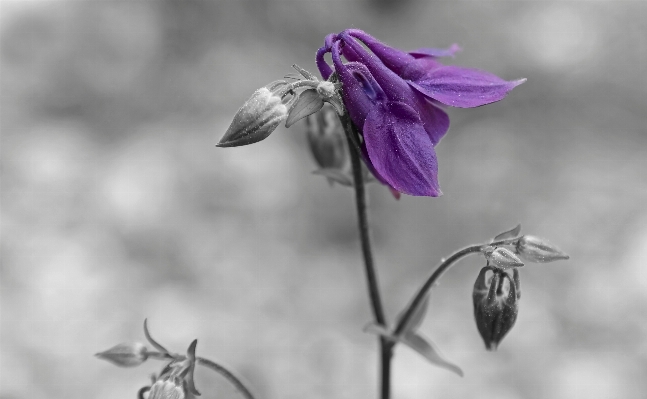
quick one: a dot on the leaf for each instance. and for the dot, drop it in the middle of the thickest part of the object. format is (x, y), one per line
(304, 73)
(376, 329)
(151, 340)
(429, 351)
(416, 318)
(419, 344)
(308, 103)
(512, 233)
(190, 355)
(335, 175)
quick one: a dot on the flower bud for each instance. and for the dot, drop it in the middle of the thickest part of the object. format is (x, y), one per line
(125, 355)
(167, 389)
(256, 119)
(495, 310)
(327, 140)
(502, 258)
(538, 250)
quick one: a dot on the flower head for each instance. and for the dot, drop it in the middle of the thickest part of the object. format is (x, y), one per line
(393, 97)
(495, 310)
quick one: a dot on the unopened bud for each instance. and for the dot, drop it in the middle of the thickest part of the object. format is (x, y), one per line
(495, 310)
(327, 140)
(125, 355)
(256, 119)
(167, 389)
(502, 258)
(538, 250)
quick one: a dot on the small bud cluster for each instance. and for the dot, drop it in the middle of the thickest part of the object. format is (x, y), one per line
(175, 381)
(496, 299)
(277, 102)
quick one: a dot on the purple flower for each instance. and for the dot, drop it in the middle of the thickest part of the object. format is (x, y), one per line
(393, 97)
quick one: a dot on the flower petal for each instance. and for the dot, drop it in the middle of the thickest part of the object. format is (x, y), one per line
(322, 65)
(436, 52)
(463, 87)
(360, 88)
(393, 85)
(394, 59)
(434, 119)
(400, 150)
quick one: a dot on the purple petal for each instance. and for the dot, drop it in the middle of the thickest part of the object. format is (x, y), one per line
(394, 59)
(400, 150)
(436, 52)
(329, 40)
(393, 85)
(324, 69)
(322, 65)
(463, 87)
(358, 84)
(434, 119)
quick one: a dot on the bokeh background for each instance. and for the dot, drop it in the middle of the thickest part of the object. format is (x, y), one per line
(116, 206)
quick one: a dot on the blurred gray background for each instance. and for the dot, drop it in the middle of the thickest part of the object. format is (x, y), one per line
(116, 205)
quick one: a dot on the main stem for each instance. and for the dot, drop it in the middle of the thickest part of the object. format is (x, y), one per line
(386, 347)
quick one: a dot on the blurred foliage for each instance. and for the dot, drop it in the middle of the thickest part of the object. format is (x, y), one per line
(116, 206)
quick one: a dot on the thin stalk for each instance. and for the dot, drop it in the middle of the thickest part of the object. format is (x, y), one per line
(228, 375)
(386, 347)
(444, 265)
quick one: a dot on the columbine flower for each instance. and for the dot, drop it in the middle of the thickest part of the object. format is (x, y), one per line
(392, 97)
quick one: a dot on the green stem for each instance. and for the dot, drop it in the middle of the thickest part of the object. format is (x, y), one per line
(386, 347)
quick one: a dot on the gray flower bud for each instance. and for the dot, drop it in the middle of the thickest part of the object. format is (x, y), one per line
(502, 258)
(125, 355)
(538, 250)
(495, 311)
(256, 119)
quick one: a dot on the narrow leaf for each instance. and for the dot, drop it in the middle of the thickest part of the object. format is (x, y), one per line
(429, 351)
(376, 329)
(417, 317)
(190, 354)
(335, 175)
(512, 233)
(304, 73)
(151, 340)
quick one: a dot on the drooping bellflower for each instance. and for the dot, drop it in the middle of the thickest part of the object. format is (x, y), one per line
(393, 98)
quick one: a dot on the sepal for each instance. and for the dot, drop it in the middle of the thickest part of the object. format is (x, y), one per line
(307, 103)
(512, 233)
(418, 343)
